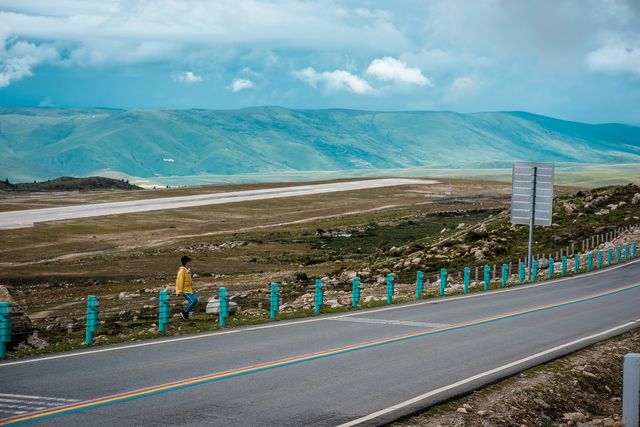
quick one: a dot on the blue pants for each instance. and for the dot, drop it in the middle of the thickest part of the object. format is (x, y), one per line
(192, 300)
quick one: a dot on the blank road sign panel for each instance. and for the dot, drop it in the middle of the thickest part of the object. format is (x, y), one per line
(522, 193)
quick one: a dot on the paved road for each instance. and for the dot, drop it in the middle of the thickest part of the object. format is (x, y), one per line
(329, 370)
(26, 218)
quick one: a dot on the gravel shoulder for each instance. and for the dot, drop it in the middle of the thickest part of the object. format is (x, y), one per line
(581, 389)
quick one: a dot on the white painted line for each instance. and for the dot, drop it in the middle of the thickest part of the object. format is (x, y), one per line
(25, 396)
(13, 412)
(4, 405)
(391, 322)
(481, 375)
(28, 402)
(318, 319)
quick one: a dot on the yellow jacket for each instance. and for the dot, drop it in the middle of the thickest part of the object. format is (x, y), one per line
(183, 281)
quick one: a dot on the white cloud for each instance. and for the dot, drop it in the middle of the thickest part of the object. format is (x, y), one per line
(17, 60)
(461, 87)
(240, 84)
(188, 77)
(335, 80)
(390, 69)
(617, 56)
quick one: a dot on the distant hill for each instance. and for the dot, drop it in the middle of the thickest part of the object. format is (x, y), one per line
(40, 143)
(66, 183)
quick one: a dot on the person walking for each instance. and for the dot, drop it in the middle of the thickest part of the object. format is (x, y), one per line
(184, 287)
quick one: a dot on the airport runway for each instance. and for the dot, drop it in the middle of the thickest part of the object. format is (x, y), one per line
(358, 368)
(27, 218)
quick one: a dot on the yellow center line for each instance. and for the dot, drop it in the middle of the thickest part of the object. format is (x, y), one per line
(161, 388)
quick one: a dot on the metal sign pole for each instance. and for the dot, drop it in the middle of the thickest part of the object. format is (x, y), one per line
(532, 220)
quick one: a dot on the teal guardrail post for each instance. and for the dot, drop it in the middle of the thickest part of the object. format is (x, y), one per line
(505, 275)
(419, 284)
(599, 260)
(576, 263)
(274, 300)
(93, 307)
(163, 311)
(626, 251)
(5, 327)
(564, 265)
(534, 270)
(521, 271)
(589, 261)
(550, 268)
(223, 307)
(355, 292)
(618, 254)
(319, 296)
(391, 288)
(443, 280)
(487, 277)
(634, 248)
(467, 280)
(609, 256)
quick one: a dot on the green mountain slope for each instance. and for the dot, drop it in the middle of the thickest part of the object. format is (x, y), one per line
(42, 143)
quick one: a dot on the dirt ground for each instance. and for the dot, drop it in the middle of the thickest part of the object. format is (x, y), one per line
(581, 389)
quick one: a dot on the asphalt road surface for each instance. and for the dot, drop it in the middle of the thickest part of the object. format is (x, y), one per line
(26, 218)
(358, 368)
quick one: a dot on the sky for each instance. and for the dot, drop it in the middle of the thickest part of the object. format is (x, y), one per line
(572, 59)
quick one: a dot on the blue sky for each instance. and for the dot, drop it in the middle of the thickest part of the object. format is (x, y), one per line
(578, 60)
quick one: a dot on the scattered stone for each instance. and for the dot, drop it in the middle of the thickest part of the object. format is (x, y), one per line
(541, 403)
(297, 276)
(462, 410)
(575, 417)
(213, 306)
(482, 413)
(36, 342)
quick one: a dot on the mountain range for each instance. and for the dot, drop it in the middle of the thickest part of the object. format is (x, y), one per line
(42, 143)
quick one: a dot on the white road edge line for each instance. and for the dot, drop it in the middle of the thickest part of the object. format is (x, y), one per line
(318, 319)
(479, 376)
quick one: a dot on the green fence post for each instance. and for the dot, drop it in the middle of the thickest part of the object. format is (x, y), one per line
(599, 261)
(419, 284)
(319, 297)
(534, 270)
(505, 275)
(576, 263)
(163, 310)
(355, 292)
(609, 256)
(467, 280)
(522, 272)
(626, 251)
(487, 277)
(443, 280)
(93, 304)
(5, 327)
(223, 307)
(551, 267)
(274, 300)
(589, 261)
(618, 254)
(634, 248)
(391, 288)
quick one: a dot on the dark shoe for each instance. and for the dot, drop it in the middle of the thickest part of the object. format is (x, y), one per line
(184, 315)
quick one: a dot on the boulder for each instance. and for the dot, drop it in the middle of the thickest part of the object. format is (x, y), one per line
(213, 306)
